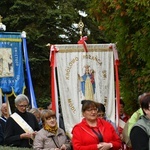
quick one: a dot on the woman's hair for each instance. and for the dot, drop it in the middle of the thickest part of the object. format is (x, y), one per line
(46, 113)
(34, 111)
(145, 101)
(86, 104)
(101, 107)
(20, 98)
(140, 97)
(122, 102)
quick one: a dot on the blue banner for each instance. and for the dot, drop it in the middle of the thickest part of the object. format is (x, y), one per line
(11, 63)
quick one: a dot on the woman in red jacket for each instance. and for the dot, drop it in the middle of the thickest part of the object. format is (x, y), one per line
(93, 133)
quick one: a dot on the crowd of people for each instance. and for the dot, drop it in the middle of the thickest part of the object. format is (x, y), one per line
(38, 129)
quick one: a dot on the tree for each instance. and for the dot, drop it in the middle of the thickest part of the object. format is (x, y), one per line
(126, 22)
(46, 22)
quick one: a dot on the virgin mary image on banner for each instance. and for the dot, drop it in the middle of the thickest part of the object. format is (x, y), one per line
(87, 83)
(6, 62)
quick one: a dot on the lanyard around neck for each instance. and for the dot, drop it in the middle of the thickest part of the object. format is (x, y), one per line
(99, 135)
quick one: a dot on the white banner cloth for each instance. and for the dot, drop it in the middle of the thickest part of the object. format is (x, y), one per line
(84, 75)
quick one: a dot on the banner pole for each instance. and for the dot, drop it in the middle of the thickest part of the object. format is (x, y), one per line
(117, 84)
(54, 92)
(30, 86)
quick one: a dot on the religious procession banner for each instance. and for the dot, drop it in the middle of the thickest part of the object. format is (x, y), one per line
(11, 63)
(85, 75)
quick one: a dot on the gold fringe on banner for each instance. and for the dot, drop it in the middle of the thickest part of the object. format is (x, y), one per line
(10, 40)
(66, 48)
(12, 92)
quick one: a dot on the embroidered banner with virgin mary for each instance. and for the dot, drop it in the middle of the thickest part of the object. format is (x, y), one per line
(85, 76)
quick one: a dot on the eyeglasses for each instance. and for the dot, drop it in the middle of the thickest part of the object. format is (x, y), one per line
(23, 106)
(92, 109)
(101, 114)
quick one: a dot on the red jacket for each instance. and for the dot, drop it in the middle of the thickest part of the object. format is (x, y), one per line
(85, 139)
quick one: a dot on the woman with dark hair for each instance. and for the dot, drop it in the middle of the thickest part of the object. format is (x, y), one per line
(102, 114)
(140, 132)
(94, 133)
(50, 137)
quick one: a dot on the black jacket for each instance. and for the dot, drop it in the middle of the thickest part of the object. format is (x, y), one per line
(139, 139)
(13, 130)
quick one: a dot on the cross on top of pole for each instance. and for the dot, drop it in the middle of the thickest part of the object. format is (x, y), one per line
(80, 26)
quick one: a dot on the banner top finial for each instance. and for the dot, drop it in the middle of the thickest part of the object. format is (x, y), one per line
(80, 26)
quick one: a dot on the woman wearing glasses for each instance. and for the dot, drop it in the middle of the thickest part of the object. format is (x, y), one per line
(94, 133)
(21, 126)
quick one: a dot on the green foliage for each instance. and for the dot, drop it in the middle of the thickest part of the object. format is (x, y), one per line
(127, 24)
(43, 102)
(124, 22)
(44, 21)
